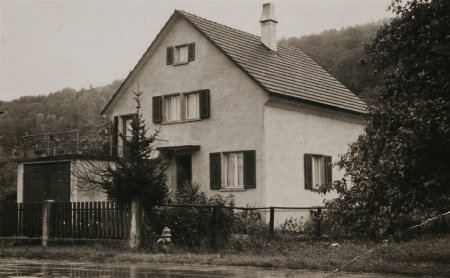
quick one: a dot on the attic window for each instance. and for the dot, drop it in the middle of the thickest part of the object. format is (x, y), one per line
(180, 54)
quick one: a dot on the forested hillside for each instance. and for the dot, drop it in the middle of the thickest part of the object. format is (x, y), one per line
(64, 110)
(341, 53)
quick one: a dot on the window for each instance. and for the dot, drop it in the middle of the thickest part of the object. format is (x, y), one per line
(192, 106)
(180, 54)
(126, 127)
(318, 170)
(233, 170)
(181, 107)
(172, 108)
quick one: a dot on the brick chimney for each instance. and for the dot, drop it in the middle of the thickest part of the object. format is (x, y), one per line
(269, 26)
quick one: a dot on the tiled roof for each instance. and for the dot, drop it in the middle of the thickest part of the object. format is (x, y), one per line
(288, 72)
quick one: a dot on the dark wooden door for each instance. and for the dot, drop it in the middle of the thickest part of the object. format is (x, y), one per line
(184, 169)
(46, 181)
(58, 182)
(34, 183)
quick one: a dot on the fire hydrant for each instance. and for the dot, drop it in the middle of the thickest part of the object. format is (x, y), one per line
(164, 240)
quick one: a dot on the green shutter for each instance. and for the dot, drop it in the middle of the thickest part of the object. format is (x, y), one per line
(115, 135)
(328, 169)
(169, 55)
(191, 52)
(308, 171)
(157, 109)
(205, 104)
(250, 169)
(215, 171)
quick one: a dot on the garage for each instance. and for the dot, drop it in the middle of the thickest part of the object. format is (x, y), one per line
(46, 181)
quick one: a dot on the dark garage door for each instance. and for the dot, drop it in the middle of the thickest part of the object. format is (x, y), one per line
(46, 181)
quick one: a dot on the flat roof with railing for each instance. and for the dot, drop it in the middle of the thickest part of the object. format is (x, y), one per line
(73, 143)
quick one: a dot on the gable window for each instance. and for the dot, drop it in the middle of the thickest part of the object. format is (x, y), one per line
(180, 54)
(172, 108)
(233, 170)
(318, 170)
(181, 107)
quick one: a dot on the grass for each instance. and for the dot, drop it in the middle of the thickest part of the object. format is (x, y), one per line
(422, 256)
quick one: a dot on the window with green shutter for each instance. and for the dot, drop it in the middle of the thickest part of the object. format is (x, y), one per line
(233, 170)
(180, 54)
(318, 170)
(182, 107)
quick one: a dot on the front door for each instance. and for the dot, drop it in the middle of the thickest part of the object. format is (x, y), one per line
(184, 169)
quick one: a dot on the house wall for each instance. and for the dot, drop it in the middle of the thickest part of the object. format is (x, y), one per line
(80, 191)
(290, 132)
(236, 102)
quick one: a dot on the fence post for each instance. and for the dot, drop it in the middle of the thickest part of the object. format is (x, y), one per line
(214, 222)
(319, 211)
(46, 213)
(135, 225)
(272, 221)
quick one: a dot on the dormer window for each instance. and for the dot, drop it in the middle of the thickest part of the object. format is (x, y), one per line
(180, 54)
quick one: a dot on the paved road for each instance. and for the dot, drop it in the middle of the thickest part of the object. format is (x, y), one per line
(38, 268)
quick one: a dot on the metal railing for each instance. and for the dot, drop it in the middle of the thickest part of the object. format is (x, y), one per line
(73, 142)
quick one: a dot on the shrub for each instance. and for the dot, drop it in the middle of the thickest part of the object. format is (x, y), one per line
(196, 227)
(249, 222)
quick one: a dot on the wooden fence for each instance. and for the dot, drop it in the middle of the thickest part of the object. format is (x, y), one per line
(20, 219)
(91, 220)
(80, 220)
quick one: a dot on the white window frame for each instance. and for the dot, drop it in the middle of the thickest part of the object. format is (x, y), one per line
(237, 174)
(178, 56)
(195, 115)
(182, 107)
(168, 115)
(321, 171)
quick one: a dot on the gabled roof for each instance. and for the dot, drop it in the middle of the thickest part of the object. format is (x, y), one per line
(287, 72)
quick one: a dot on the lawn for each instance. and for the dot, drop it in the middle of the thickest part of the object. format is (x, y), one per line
(421, 256)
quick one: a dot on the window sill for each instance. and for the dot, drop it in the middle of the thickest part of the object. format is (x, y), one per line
(232, 189)
(181, 121)
(181, 63)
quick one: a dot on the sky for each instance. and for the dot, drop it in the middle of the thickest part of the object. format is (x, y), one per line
(50, 45)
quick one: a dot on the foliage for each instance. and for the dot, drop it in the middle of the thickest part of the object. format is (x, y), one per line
(249, 222)
(63, 110)
(196, 226)
(137, 174)
(7, 181)
(294, 225)
(400, 166)
(341, 53)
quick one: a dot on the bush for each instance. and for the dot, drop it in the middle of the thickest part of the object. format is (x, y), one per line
(249, 222)
(196, 227)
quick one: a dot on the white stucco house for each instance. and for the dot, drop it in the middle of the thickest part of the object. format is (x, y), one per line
(240, 113)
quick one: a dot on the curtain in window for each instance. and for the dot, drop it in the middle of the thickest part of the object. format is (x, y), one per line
(182, 54)
(192, 106)
(318, 171)
(235, 169)
(172, 108)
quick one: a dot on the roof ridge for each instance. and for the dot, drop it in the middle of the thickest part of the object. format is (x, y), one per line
(221, 24)
(239, 30)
